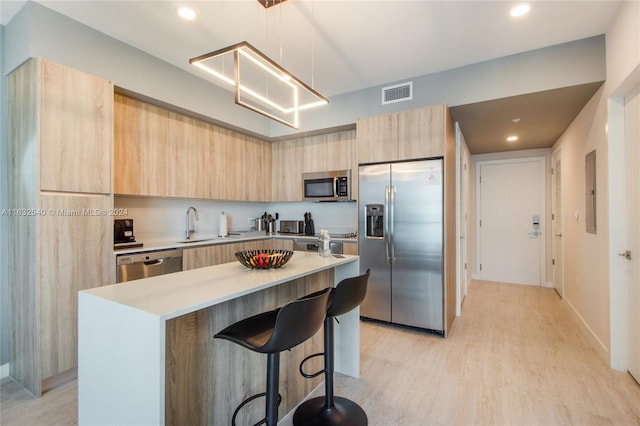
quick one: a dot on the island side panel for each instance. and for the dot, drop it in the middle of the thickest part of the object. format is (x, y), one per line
(121, 364)
(207, 378)
(347, 330)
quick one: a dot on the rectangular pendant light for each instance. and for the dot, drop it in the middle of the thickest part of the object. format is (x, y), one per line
(259, 83)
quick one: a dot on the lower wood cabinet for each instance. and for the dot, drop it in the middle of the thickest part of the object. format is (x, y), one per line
(350, 248)
(68, 247)
(201, 257)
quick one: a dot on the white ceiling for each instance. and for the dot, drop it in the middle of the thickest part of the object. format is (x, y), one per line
(341, 46)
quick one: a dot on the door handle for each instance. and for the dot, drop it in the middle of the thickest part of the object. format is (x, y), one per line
(392, 220)
(386, 230)
(558, 235)
(626, 254)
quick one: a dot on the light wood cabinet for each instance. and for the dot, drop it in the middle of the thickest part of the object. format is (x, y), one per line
(60, 228)
(320, 153)
(140, 148)
(407, 135)
(287, 158)
(255, 169)
(350, 248)
(166, 154)
(75, 252)
(75, 130)
(421, 133)
(185, 171)
(200, 257)
(377, 138)
(282, 244)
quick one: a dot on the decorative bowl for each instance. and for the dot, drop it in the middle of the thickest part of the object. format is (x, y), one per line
(264, 259)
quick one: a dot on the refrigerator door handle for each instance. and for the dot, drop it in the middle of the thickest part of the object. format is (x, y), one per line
(392, 202)
(385, 232)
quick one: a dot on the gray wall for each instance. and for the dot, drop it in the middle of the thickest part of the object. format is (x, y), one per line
(563, 65)
(38, 31)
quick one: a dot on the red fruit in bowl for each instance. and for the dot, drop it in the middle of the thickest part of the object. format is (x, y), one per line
(262, 260)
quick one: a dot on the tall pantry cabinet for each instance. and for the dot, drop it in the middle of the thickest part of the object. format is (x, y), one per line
(60, 203)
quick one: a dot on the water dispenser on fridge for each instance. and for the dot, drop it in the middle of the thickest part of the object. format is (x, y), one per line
(375, 220)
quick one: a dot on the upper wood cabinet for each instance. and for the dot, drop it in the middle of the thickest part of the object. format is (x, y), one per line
(140, 148)
(377, 138)
(75, 128)
(413, 134)
(293, 157)
(162, 153)
(421, 133)
(287, 158)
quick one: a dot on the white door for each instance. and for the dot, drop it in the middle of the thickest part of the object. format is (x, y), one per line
(556, 223)
(510, 220)
(632, 151)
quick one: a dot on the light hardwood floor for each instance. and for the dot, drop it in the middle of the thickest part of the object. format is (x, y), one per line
(514, 357)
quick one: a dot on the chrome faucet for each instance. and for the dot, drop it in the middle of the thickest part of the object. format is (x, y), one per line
(189, 230)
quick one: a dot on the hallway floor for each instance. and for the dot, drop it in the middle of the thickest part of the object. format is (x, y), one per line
(514, 357)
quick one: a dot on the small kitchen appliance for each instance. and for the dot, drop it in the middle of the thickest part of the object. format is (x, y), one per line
(327, 186)
(123, 236)
(292, 227)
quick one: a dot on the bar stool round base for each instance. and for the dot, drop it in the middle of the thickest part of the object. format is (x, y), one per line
(344, 412)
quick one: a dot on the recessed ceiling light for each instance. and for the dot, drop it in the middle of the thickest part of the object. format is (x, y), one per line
(520, 10)
(187, 13)
(512, 138)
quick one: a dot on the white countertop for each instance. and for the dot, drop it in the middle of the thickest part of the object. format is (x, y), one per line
(208, 241)
(172, 295)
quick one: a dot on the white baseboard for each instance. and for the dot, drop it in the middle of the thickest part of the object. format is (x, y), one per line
(595, 342)
(548, 284)
(4, 370)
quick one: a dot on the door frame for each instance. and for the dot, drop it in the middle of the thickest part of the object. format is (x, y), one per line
(618, 285)
(543, 212)
(557, 155)
(461, 229)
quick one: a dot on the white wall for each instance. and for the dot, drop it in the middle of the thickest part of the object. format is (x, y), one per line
(4, 231)
(165, 219)
(586, 263)
(587, 256)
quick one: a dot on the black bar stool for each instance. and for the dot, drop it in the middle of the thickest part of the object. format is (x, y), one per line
(273, 332)
(330, 409)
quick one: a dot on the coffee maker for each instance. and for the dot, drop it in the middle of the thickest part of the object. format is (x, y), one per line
(123, 231)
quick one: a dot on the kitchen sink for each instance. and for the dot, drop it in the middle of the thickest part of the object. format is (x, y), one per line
(198, 240)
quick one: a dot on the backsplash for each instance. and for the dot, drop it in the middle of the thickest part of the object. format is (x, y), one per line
(158, 219)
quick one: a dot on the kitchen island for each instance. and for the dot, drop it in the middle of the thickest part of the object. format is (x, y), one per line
(146, 353)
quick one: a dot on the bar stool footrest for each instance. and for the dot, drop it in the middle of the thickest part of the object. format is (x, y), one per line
(314, 412)
(248, 400)
(311, 375)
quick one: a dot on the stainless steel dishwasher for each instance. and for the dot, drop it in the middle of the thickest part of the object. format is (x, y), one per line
(143, 265)
(312, 245)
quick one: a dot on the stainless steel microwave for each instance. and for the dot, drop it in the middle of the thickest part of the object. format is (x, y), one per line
(327, 186)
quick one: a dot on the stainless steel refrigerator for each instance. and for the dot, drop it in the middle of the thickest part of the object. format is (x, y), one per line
(401, 241)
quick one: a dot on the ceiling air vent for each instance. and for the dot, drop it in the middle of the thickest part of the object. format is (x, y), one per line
(397, 93)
